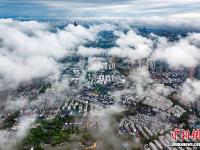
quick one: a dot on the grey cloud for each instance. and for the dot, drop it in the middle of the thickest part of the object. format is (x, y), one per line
(125, 8)
(96, 8)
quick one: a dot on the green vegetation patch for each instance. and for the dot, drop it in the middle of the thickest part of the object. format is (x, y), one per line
(50, 132)
(10, 120)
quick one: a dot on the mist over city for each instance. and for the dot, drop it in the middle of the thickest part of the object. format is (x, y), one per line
(99, 75)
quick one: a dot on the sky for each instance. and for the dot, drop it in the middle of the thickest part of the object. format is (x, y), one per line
(99, 8)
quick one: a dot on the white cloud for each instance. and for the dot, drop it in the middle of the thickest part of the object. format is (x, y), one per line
(189, 15)
(141, 79)
(179, 53)
(95, 64)
(85, 51)
(144, 85)
(25, 26)
(190, 91)
(144, 21)
(10, 139)
(15, 71)
(131, 39)
(30, 50)
(132, 45)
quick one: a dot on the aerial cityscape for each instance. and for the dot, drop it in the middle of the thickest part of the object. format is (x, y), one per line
(99, 75)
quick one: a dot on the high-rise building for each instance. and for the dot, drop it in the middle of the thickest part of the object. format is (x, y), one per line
(197, 72)
(191, 72)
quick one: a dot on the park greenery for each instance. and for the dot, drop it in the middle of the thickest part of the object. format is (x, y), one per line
(10, 120)
(50, 132)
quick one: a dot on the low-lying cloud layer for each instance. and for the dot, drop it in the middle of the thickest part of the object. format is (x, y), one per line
(11, 140)
(190, 91)
(184, 52)
(31, 49)
(131, 45)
